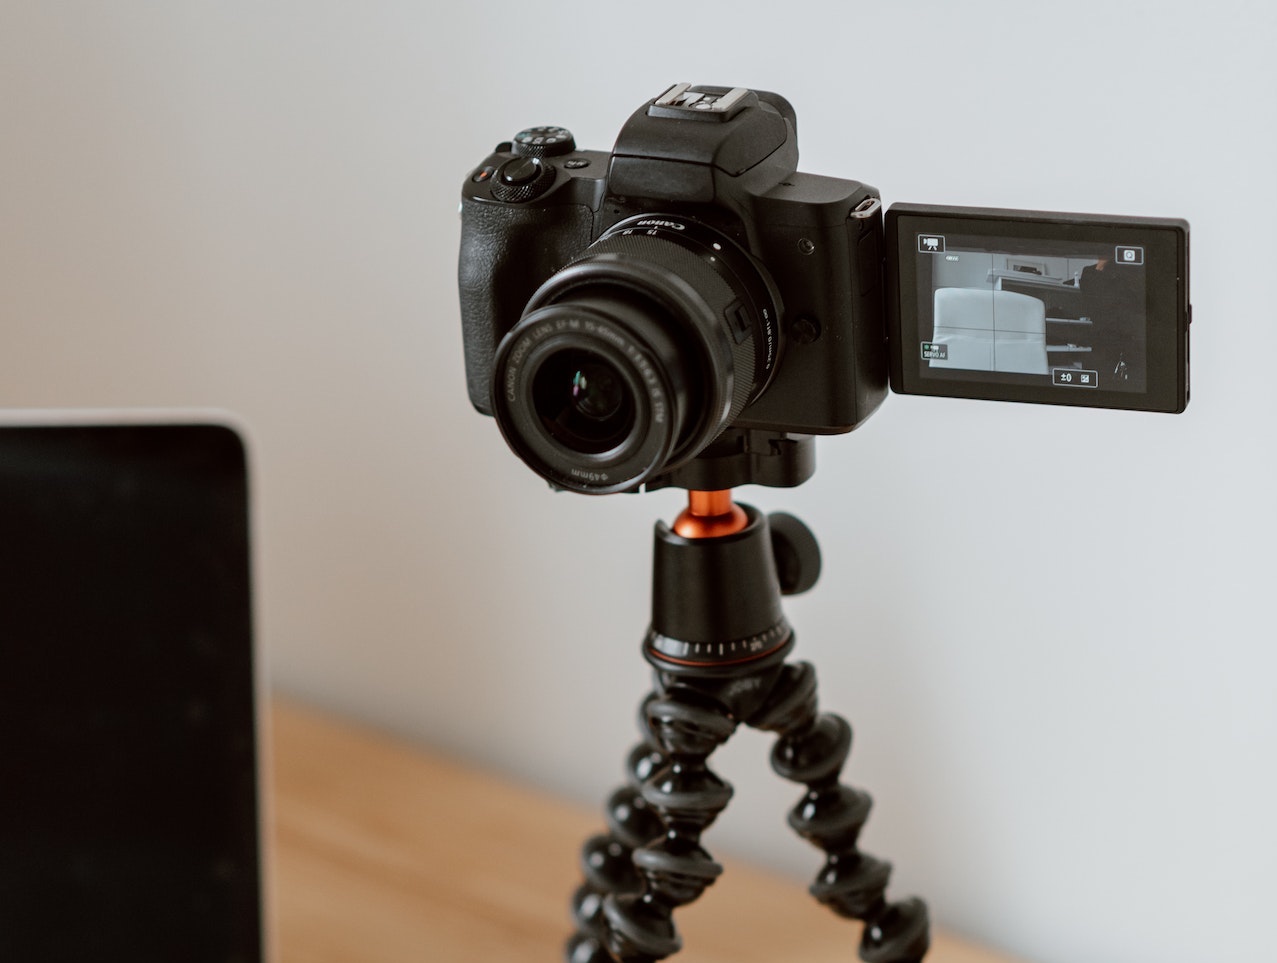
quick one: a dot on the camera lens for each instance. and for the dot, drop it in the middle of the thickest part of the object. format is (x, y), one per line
(592, 393)
(583, 401)
(635, 356)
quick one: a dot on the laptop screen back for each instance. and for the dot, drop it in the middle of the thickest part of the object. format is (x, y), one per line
(128, 792)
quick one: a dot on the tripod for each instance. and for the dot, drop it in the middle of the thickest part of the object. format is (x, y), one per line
(718, 644)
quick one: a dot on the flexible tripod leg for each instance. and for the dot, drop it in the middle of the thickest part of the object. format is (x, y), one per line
(812, 749)
(607, 859)
(630, 917)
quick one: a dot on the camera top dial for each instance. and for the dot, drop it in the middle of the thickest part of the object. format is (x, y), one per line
(543, 142)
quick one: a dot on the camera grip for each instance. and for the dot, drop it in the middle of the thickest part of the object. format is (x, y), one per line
(507, 252)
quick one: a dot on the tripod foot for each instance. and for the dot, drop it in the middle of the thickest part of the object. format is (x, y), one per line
(900, 934)
(585, 949)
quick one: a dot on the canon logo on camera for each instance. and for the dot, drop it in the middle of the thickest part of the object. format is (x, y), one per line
(655, 223)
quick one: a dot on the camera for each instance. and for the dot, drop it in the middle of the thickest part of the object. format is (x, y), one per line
(692, 299)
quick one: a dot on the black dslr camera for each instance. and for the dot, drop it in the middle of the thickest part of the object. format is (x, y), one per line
(684, 309)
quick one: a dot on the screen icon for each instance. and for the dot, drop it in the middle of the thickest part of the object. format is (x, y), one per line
(1130, 255)
(1075, 378)
(931, 243)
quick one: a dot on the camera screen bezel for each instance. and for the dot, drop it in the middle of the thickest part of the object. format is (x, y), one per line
(1165, 242)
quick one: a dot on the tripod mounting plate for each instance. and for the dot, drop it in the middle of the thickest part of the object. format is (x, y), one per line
(745, 456)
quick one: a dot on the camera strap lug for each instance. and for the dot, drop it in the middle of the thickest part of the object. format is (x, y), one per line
(867, 208)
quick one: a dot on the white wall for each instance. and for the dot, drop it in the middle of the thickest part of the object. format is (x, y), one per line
(1070, 742)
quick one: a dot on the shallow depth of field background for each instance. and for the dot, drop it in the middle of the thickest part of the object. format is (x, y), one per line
(1050, 628)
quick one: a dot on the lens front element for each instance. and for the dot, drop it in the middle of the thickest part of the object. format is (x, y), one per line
(583, 401)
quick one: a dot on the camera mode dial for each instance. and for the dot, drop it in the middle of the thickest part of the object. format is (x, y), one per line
(544, 142)
(522, 179)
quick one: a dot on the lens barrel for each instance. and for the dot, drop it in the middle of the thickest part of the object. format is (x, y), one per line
(635, 356)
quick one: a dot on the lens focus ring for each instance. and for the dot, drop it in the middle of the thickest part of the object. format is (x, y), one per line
(682, 265)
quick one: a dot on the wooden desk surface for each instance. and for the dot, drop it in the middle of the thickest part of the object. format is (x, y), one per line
(384, 853)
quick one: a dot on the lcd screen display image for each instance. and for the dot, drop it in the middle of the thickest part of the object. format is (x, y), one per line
(1074, 316)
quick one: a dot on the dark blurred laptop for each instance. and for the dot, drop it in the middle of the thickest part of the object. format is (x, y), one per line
(129, 818)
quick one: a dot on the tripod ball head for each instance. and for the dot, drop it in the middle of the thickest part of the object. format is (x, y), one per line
(716, 597)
